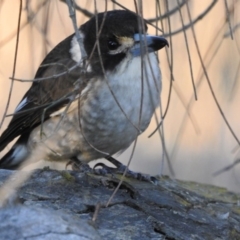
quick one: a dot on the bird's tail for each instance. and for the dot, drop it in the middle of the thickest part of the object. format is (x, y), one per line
(16, 155)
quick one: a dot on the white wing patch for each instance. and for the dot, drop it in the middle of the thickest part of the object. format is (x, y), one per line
(75, 50)
(19, 154)
(22, 104)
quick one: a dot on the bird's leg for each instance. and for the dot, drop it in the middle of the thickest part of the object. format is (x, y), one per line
(78, 165)
(120, 169)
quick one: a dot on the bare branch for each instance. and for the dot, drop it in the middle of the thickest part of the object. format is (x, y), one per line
(14, 64)
(208, 79)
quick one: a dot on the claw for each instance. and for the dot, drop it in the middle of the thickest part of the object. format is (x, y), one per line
(120, 169)
(104, 169)
(77, 165)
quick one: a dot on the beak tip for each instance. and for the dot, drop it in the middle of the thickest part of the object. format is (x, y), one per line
(164, 42)
(159, 42)
(167, 43)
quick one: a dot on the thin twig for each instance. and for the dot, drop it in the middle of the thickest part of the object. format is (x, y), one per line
(123, 7)
(208, 79)
(171, 79)
(188, 53)
(23, 25)
(227, 168)
(228, 19)
(72, 14)
(14, 64)
(48, 77)
(198, 85)
(198, 18)
(168, 13)
(124, 174)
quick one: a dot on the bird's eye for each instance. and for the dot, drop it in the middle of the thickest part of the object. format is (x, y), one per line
(112, 44)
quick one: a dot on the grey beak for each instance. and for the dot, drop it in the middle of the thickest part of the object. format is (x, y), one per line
(147, 43)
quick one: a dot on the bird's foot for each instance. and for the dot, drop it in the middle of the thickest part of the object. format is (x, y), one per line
(121, 169)
(76, 165)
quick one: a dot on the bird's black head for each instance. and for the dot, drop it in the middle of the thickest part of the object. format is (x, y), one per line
(118, 32)
(117, 29)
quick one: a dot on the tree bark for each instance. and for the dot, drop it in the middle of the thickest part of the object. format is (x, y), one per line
(61, 205)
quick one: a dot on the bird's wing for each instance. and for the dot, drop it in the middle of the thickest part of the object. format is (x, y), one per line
(50, 94)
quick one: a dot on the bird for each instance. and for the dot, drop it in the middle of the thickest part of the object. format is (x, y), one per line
(92, 95)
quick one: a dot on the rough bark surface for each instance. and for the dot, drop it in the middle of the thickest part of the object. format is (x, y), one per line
(60, 205)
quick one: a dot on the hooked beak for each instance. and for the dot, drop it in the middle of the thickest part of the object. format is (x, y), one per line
(147, 44)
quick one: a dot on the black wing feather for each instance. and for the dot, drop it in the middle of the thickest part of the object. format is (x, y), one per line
(51, 93)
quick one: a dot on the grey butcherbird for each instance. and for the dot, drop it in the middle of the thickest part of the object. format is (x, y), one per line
(90, 98)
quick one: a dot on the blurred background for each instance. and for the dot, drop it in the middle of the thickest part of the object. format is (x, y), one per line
(197, 139)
